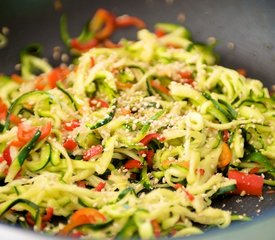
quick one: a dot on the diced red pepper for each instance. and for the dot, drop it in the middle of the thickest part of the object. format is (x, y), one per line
(127, 21)
(186, 78)
(186, 74)
(70, 126)
(250, 184)
(93, 151)
(69, 144)
(100, 186)
(98, 103)
(15, 119)
(41, 82)
(123, 86)
(147, 139)
(149, 156)
(158, 86)
(132, 163)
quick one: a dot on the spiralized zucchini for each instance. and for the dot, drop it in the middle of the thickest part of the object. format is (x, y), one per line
(157, 108)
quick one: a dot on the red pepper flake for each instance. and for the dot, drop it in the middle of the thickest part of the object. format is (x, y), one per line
(200, 171)
(96, 103)
(132, 163)
(189, 195)
(149, 156)
(100, 186)
(147, 139)
(70, 144)
(70, 126)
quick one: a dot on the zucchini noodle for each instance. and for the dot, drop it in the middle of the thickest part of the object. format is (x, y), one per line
(136, 133)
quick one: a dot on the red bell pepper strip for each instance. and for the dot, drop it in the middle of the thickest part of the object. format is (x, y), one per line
(147, 139)
(100, 186)
(250, 184)
(49, 213)
(70, 126)
(81, 217)
(102, 24)
(3, 110)
(186, 74)
(93, 151)
(127, 21)
(45, 131)
(158, 86)
(83, 47)
(7, 155)
(149, 156)
(57, 74)
(69, 144)
(132, 163)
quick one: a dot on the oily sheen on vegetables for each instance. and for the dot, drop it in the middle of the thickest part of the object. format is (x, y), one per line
(132, 141)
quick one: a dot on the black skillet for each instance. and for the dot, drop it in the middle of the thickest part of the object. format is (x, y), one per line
(245, 30)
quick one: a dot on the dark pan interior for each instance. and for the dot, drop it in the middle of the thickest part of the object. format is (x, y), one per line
(244, 29)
